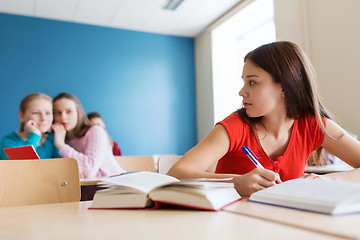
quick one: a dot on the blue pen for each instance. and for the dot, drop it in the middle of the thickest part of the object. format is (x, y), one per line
(252, 156)
(254, 159)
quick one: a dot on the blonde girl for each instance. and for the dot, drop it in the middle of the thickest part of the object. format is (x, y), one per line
(36, 117)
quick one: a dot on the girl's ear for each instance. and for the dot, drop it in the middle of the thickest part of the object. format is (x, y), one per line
(21, 116)
(282, 93)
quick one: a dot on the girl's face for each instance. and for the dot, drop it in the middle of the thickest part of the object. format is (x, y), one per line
(97, 121)
(65, 113)
(261, 95)
(39, 111)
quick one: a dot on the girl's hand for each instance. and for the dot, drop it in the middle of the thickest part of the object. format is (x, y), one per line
(59, 135)
(313, 176)
(31, 126)
(257, 179)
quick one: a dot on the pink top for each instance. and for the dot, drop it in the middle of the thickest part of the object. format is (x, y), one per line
(93, 153)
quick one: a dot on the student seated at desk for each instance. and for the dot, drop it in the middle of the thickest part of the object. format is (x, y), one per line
(75, 137)
(282, 121)
(96, 119)
(36, 117)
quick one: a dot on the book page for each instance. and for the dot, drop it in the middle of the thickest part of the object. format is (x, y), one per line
(200, 184)
(142, 181)
(314, 195)
(209, 179)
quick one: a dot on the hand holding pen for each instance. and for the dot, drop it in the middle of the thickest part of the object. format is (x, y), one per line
(254, 159)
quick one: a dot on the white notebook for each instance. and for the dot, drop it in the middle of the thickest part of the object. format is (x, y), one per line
(322, 196)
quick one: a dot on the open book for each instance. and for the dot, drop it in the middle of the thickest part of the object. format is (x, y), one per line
(147, 189)
(323, 196)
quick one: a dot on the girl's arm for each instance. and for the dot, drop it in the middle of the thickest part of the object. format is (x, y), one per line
(7, 142)
(34, 134)
(344, 147)
(33, 139)
(92, 157)
(11, 141)
(196, 162)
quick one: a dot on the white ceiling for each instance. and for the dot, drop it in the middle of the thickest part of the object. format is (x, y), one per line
(189, 19)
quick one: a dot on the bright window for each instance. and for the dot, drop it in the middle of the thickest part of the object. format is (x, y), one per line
(231, 41)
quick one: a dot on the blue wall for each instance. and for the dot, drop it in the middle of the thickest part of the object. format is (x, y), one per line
(143, 84)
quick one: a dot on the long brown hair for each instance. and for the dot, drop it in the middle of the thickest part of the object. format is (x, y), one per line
(26, 101)
(288, 65)
(83, 123)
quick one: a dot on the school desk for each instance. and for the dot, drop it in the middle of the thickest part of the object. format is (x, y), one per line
(342, 226)
(73, 221)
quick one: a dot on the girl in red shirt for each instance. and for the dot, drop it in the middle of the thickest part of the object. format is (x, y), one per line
(282, 121)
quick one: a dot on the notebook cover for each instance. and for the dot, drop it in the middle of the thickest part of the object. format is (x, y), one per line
(21, 153)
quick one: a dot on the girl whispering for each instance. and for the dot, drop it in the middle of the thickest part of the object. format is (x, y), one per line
(75, 137)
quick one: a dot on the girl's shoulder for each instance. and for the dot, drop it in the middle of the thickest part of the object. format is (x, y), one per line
(95, 130)
(308, 120)
(307, 125)
(233, 119)
(11, 140)
(11, 136)
(234, 124)
(307, 116)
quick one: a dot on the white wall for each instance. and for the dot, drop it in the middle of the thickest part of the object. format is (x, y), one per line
(204, 74)
(204, 86)
(328, 31)
(291, 22)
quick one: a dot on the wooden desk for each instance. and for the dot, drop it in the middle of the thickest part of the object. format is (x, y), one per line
(344, 227)
(73, 221)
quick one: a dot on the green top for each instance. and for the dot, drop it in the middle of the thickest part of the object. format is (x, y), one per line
(46, 150)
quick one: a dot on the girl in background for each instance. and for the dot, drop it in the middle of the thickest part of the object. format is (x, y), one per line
(75, 137)
(282, 121)
(96, 119)
(36, 117)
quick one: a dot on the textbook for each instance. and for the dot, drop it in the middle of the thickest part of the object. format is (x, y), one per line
(151, 190)
(21, 153)
(322, 196)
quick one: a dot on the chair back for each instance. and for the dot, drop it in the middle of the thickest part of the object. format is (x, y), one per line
(166, 162)
(30, 182)
(137, 163)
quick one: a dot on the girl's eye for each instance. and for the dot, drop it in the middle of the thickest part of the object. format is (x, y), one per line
(68, 111)
(251, 82)
(35, 113)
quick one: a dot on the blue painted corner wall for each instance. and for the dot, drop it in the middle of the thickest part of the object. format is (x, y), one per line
(142, 84)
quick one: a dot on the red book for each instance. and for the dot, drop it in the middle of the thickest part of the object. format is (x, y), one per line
(21, 153)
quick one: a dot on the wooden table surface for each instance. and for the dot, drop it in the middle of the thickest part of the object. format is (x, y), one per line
(74, 221)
